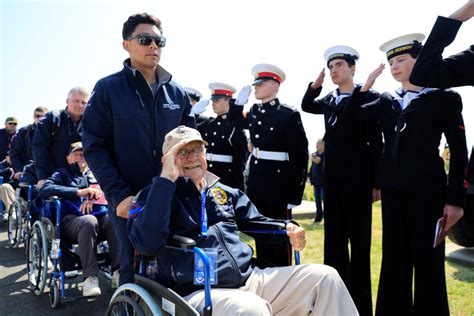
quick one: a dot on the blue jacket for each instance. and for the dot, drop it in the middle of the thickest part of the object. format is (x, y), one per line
(124, 127)
(175, 209)
(54, 135)
(21, 152)
(64, 183)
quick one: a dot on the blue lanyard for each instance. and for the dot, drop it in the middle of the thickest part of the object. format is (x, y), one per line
(203, 215)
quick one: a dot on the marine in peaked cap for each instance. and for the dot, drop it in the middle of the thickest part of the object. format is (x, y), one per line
(227, 144)
(279, 158)
(353, 144)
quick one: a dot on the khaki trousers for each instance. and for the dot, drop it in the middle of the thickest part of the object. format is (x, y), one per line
(7, 195)
(297, 290)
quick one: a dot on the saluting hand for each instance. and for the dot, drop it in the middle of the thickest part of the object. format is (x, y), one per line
(172, 166)
(453, 214)
(319, 80)
(464, 13)
(296, 235)
(372, 77)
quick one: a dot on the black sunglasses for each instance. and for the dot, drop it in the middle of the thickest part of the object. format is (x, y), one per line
(145, 40)
(11, 123)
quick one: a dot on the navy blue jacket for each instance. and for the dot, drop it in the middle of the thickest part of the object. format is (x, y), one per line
(64, 183)
(5, 141)
(54, 135)
(175, 209)
(124, 127)
(21, 152)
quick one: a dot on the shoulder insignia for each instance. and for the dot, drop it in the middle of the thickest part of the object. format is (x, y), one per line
(219, 195)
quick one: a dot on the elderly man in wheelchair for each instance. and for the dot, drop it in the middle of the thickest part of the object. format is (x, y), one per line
(189, 201)
(84, 218)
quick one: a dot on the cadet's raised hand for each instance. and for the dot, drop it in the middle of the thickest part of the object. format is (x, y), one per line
(319, 80)
(372, 77)
(465, 12)
(172, 166)
(297, 236)
(199, 107)
(243, 96)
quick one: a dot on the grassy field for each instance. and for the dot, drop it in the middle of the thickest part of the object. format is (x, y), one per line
(460, 279)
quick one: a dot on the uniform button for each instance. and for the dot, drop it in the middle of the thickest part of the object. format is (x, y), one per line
(230, 170)
(271, 128)
(218, 123)
(210, 165)
(205, 134)
(263, 110)
(212, 144)
(214, 133)
(222, 136)
(257, 136)
(278, 170)
(259, 122)
(250, 124)
(256, 161)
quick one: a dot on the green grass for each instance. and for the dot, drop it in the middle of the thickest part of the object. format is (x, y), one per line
(460, 279)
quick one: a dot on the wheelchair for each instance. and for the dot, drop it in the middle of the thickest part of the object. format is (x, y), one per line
(148, 297)
(45, 247)
(19, 215)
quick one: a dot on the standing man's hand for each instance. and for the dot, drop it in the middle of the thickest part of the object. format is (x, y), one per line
(453, 214)
(319, 80)
(124, 206)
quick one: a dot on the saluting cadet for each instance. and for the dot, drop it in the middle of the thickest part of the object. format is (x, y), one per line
(431, 69)
(227, 150)
(353, 145)
(415, 189)
(279, 159)
(193, 94)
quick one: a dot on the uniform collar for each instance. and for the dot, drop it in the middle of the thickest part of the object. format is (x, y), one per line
(273, 103)
(162, 75)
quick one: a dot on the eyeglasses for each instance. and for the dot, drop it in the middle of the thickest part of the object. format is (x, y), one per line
(146, 39)
(184, 153)
(11, 123)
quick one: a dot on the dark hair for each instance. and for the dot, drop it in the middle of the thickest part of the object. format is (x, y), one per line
(41, 109)
(140, 18)
(350, 59)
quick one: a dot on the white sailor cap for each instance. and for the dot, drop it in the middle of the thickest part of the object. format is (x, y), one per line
(263, 72)
(406, 44)
(219, 90)
(193, 93)
(342, 52)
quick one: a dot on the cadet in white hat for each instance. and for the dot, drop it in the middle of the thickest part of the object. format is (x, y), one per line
(279, 159)
(193, 94)
(352, 141)
(227, 150)
(415, 190)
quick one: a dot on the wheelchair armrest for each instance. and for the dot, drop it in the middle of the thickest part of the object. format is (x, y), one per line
(52, 198)
(182, 242)
(264, 226)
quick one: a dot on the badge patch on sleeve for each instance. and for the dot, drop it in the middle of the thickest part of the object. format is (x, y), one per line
(219, 195)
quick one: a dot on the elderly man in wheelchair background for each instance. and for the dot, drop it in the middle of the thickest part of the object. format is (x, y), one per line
(188, 200)
(84, 218)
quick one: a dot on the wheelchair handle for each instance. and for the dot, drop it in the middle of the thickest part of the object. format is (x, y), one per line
(181, 242)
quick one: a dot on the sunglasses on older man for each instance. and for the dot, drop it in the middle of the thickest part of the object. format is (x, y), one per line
(12, 123)
(146, 39)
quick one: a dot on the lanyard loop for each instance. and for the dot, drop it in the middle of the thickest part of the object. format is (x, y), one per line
(203, 215)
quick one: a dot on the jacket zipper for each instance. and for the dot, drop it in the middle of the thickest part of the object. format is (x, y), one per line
(228, 254)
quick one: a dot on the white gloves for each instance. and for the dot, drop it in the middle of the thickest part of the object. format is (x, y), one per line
(199, 107)
(243, 96)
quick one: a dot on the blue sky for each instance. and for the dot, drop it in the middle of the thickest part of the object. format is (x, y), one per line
(48, 47)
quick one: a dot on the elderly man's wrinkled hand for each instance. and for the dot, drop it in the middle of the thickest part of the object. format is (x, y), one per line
(297, 236)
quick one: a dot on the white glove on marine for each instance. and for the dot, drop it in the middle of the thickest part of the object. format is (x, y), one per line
(199, 107)
(243, 96)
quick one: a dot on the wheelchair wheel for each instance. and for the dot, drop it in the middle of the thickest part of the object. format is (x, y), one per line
(37, 249)
(14, 225)
(55, 294)
(132, 299)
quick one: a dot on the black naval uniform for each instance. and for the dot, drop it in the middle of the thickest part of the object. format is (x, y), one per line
(431, 70)
(278, 167)
(227, 149)
(415, 190)
(353, 146)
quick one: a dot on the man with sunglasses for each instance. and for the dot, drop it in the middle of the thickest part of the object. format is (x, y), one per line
(21, 152)
(126, 120)
(6, 135)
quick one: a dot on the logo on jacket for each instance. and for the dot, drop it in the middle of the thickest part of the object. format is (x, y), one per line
(219, 195)
(171, 106)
